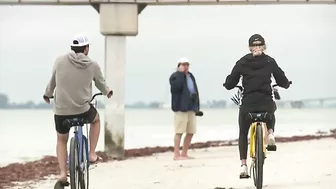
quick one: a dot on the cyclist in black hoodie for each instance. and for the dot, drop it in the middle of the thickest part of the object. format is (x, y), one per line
(256, 70)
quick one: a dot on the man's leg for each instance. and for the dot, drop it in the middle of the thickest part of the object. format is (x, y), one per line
(62, 154)
(177, 141)
(191, 130)
(61, 147)
(180, 125)
(94, 118)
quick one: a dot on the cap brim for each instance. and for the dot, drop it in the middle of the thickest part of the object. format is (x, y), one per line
(257, 44)
(80, 45)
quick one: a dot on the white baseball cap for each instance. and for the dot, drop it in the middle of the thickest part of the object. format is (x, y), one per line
(183, 60)
(80, 40)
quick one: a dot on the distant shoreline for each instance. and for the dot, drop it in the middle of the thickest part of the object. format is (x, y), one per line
(6, 104)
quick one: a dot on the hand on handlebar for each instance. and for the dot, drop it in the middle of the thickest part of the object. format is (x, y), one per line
(236, 100)
(237, 97)
(109, 95)
(275, 85)
(46, 99)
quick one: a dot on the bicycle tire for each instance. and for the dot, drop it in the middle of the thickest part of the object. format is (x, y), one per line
(254, 173)
(85, 159)
(73, 163)
(259, 156)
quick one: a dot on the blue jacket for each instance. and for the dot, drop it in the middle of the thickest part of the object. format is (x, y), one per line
(181, 99)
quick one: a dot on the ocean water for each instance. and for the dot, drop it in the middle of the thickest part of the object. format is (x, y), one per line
(27, 135)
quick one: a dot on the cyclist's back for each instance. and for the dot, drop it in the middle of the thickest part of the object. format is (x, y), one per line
(74, 75)
(72, 81)
(256, 70)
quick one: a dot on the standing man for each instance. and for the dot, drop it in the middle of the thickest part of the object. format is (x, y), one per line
(72, 77)
(185, 105)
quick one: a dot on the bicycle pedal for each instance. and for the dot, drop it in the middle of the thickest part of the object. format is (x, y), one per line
(92, 167)
(66, 184)
(244, 176)
(271, 148)
(61, 185)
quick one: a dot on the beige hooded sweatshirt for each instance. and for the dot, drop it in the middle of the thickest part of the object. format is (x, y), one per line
(72, 77)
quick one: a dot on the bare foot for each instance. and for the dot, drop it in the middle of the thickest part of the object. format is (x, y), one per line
(180, 158)
(62, 178)
(95, 160)
(188, 157)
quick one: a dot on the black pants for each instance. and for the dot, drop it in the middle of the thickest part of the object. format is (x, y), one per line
(245, 123)
(88, 116)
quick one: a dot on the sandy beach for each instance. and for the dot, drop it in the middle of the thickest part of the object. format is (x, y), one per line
(297, 165)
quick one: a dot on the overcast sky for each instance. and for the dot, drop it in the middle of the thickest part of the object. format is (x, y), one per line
(300, 38)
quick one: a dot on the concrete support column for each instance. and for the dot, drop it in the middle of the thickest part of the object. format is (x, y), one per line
(116, 22)
(115, 63)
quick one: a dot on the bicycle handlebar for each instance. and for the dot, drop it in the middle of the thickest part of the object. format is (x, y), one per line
(237, 97)
(93, 97)
(239, 87)
(275, 85)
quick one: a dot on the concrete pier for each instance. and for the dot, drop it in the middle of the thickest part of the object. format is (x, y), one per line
(164, 2)
(116, 22)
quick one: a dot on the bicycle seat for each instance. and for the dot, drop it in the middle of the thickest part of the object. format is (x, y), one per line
(73, 122)
(258, 116)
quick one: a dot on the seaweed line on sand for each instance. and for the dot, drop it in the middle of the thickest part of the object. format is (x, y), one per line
(40, 169)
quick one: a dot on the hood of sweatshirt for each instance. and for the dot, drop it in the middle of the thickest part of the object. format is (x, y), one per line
(255, 62)
(79, 60)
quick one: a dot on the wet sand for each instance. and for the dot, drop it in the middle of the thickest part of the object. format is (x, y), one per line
(297, 165)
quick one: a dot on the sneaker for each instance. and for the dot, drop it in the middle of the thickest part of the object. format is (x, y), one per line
(244, 170)
(271, 140)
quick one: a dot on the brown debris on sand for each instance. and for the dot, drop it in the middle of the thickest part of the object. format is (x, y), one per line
(48, 165)
(21, 172)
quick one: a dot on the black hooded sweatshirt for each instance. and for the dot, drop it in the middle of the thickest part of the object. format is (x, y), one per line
(256, 72)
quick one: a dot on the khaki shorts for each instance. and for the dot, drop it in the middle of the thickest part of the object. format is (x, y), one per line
(185, 122)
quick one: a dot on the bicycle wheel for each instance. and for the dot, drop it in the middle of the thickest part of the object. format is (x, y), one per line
(254, 172)
(73, 164)
(84, 173)
(259, 163)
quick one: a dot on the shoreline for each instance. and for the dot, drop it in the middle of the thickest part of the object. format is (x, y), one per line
(47, 166)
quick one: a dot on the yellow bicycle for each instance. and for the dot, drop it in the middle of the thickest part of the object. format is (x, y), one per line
(258, 131)
(258, 146)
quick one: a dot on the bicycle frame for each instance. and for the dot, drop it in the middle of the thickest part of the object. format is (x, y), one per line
(253, 136)
(79, 136)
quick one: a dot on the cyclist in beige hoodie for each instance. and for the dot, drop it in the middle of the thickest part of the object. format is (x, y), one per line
(71, 79)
